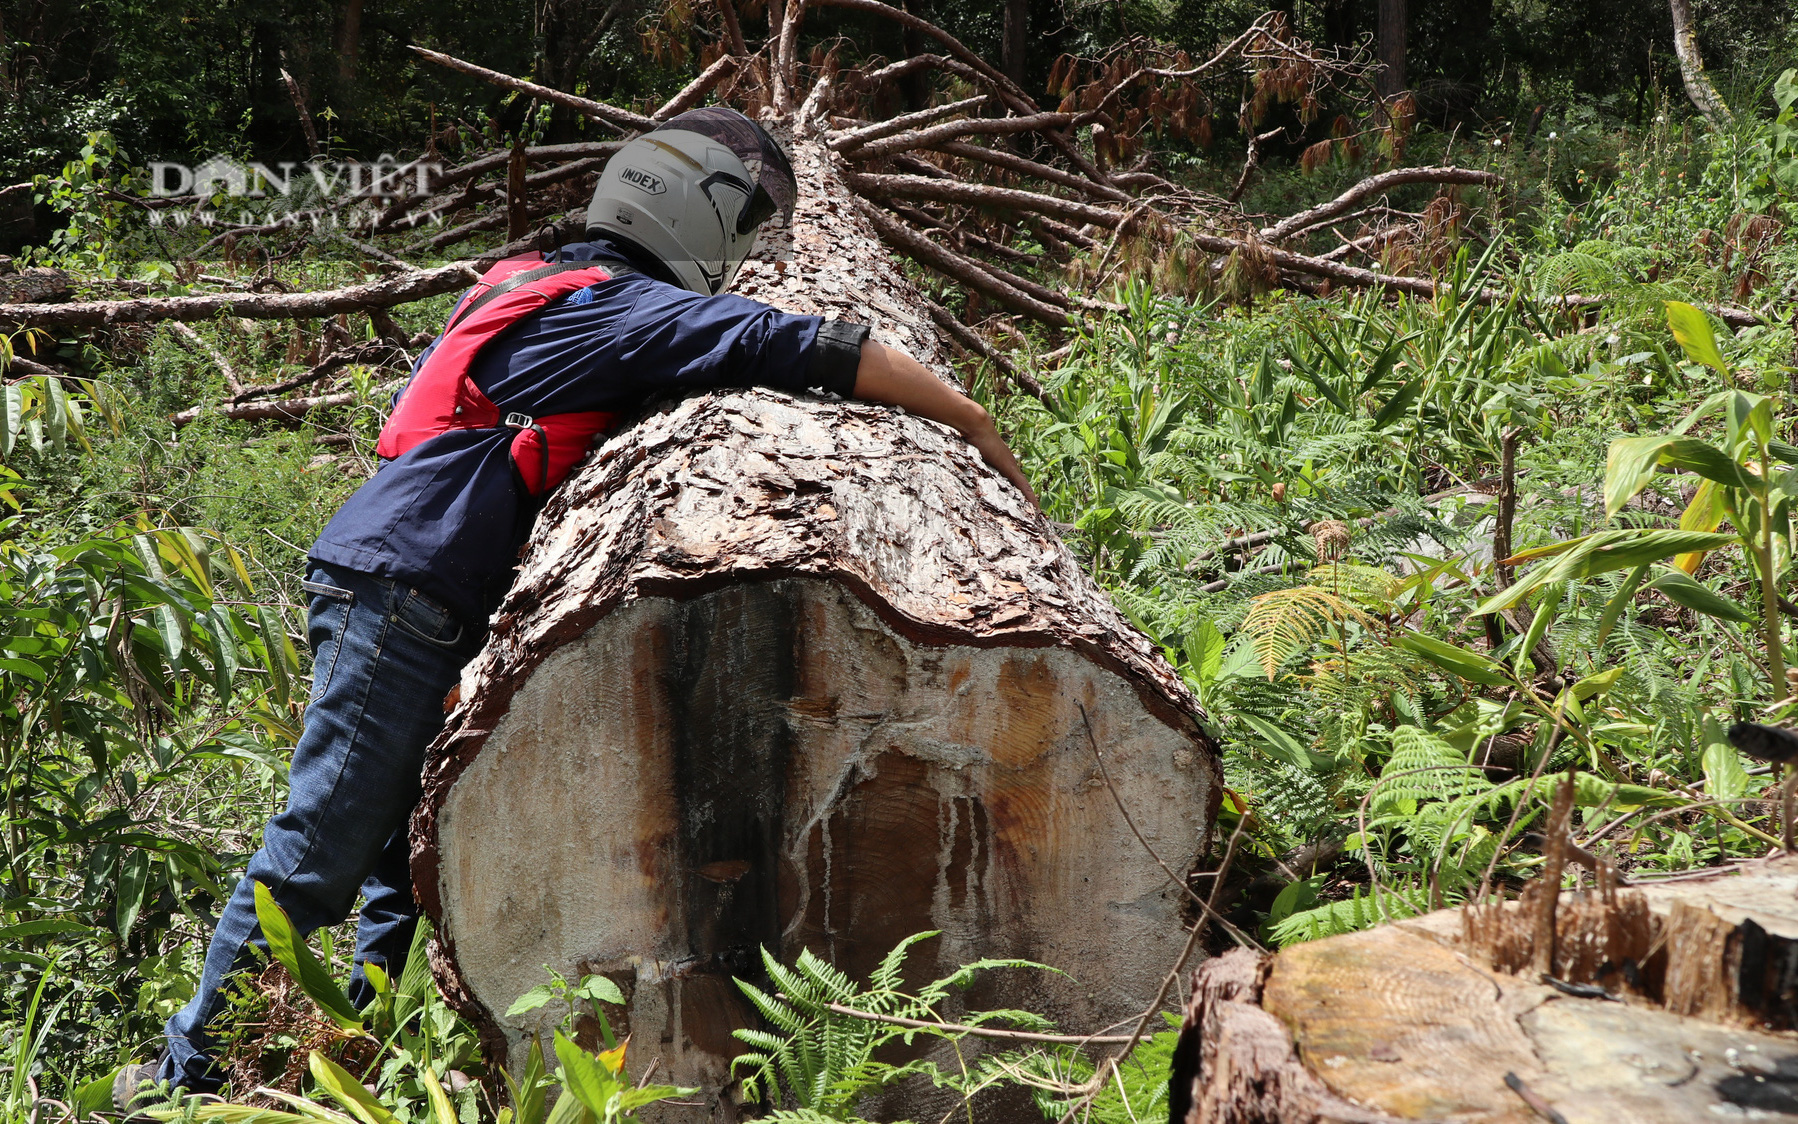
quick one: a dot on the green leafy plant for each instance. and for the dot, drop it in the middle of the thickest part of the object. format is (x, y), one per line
(818, 1056)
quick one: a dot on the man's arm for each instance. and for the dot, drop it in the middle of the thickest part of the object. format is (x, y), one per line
(894, 378)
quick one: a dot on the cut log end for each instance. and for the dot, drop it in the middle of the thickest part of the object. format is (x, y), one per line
(769, 765)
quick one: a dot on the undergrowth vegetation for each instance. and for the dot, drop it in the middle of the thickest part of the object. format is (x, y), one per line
(1413, 556)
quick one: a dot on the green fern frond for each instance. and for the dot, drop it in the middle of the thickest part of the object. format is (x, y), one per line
(1285, 622)
(1351, 915)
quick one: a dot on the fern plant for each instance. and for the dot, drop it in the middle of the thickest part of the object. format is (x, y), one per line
(817, 1063)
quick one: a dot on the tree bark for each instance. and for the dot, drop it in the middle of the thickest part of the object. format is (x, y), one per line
(349, 41)
(1015, 44)
(792, 673)
(1392, 18)
(1698, 84)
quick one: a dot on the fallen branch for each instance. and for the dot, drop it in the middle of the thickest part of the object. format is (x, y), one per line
(1009, 92)
(1373, 186)
(1417, 286)
(259, 306)
(286, 409)
(691, 94)
(1012, 162)
(958, 268)
(1222, 584)
(967, 127)
(194, 340)
(980, 195)
(971, 341)
(599, 111)
(493, 161)
(855, 138)
(329, 365)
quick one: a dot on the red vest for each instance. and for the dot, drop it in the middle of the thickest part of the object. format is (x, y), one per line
(442, 397)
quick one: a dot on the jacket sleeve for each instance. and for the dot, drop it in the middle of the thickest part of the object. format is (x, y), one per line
(673, 341)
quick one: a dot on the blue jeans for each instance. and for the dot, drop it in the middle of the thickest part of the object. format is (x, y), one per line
(383, 658)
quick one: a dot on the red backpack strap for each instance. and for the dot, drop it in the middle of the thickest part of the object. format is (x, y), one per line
(545, 449)
(441, 396)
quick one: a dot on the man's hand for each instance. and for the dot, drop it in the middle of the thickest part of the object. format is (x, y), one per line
(896, 379)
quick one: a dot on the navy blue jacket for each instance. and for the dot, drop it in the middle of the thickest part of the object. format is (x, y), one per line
(449, 516)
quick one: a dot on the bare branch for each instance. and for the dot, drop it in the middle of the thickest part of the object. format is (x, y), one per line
(299, 105)
(733, 28)
(958, 268)
(974, 126)
(981, 195)
(849, 141)
(693, 92)
(981, 1031)
(973, 343)
(1374, 186)
(276, 306)
(599, 111)
(286, 409)
(1007, 89)
(1011, 162)
(194, 340)
(329, 365)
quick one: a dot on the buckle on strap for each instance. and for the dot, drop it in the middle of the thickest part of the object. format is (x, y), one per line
(521, 421)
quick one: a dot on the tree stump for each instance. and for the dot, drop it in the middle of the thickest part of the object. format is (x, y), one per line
(1669, 1003)
(792, 673)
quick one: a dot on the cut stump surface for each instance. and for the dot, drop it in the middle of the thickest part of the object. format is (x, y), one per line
(1411, 1022)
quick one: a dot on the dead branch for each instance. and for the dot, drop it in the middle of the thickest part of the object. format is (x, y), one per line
(968, 127)
(1005, 87)
(981, 195)
(904, 66)
(974, 344)
(733, 28)
(1229, 50)
(964, 238)
(260, 306)
(286, 409)
(623, 119)
(493, 161)
(855, 138)
(374, 351)
(299, 105)
(958, 268)
(1371, 187)
(1011, 162)
(197, 342)
(786, 56)
(29, 368)
(691, 94)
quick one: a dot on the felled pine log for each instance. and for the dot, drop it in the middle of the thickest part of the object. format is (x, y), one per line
(792, 673)
(1667, 1003)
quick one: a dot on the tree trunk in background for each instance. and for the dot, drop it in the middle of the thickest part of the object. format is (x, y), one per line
(349, 41)
(1339, 23)
(1704, 95)
(791, 673)
(1391, 47)
(1015, 48)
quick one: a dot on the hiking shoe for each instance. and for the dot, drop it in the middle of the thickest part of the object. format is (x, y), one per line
(134, 1088)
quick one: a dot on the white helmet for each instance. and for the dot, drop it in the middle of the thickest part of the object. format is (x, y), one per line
(693, 193)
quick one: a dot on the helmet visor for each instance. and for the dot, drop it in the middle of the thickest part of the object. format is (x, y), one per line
(775, 189)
